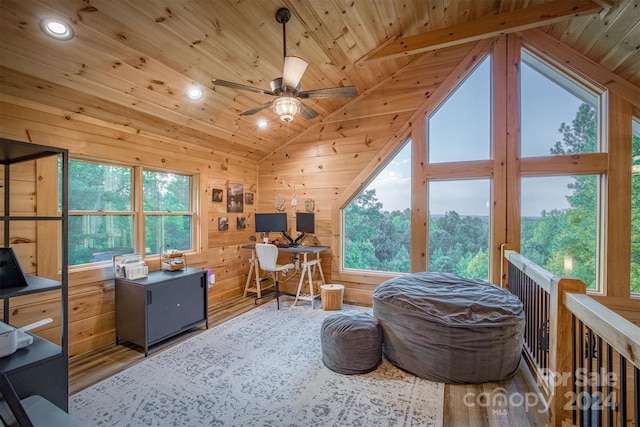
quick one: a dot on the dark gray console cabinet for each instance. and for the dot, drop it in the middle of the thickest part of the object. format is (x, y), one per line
(160, 306)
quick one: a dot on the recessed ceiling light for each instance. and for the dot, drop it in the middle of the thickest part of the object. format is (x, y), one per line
(194, 93)
(262, 124)
(56, 29)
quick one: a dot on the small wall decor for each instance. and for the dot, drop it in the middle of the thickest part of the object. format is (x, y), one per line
(216, 195)
(241, 223)
(309, 205)
(235, 191)
(248, 198)
(280, 203)
(223, 223)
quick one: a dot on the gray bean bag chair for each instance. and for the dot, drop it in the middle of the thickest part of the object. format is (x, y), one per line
(351, 343)
(450, 329)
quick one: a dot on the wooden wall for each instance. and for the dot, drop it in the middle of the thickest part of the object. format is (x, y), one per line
(91, 290)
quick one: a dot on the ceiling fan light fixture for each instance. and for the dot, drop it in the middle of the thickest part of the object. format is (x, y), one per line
(286, 107)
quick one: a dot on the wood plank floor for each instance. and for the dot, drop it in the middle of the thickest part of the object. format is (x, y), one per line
(505, 403)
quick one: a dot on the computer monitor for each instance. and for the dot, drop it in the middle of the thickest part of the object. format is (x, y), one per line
(306, 222)
(271, 222)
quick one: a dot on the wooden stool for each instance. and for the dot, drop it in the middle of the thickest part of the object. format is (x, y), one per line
(331, 296)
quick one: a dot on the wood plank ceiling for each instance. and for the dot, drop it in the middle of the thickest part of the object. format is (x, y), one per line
(131, 61)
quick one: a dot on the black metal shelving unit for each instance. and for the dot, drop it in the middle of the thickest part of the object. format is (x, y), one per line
(42, 367)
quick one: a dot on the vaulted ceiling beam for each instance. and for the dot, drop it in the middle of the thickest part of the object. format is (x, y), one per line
(489, 26)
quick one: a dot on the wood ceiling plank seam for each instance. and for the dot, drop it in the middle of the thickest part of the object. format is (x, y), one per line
(450, 9)
(356, 17)
(624, 50)
(437, 14)
(421, 11)
(583, 41)
(79, 83)
(570, 30)
(321, 33)
(389, 17)
(266, 33)
(630, 70)
(616, 27)
(489, 26)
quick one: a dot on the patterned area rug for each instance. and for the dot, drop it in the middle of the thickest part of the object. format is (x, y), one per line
(263, 368)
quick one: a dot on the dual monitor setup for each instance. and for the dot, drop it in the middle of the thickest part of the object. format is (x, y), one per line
(277, 223)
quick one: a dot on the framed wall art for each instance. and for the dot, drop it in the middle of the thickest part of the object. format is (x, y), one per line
(248, 198)
(216, 195)
(241, 223)
(235, 192)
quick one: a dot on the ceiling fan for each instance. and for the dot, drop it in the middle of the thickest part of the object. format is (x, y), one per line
(286, 89)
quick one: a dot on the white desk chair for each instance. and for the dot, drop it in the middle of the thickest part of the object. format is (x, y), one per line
(267, 257)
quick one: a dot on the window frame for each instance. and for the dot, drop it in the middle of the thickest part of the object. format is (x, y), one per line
(404, 142)
(137, 212)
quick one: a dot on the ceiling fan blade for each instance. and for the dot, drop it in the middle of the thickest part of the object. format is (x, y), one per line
(332, 92)
(307, 112)
(240, 86)
(294, 68)
(256, 109)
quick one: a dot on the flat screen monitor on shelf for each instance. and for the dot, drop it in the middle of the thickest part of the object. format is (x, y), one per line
(271, 222)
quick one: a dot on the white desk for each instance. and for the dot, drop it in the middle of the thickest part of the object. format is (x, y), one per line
(309, 267)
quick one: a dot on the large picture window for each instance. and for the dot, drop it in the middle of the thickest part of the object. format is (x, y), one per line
(104, 220)
(464, 120)
(377, 223)
(555, 109)
(559, 228)
(459, 227)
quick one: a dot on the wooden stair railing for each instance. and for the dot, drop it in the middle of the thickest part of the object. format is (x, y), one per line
(547, 347)
(584, 357)
(606, 359)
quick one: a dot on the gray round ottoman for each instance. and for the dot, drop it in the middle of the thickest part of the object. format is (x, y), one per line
(450, 329)
(351, 343)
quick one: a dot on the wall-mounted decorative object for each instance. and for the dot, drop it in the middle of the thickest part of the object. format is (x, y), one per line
(241, 223)
(235, 191)
(309, 205)
(280, 203)
(248, 198)
(216, 195)
(223, 223)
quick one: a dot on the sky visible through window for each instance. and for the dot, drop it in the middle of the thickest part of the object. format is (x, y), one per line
(545, 107)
